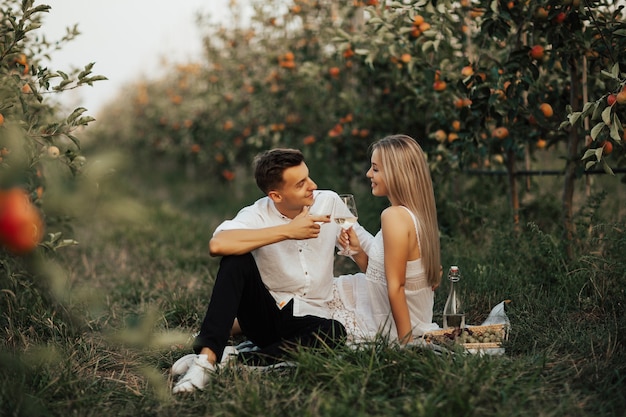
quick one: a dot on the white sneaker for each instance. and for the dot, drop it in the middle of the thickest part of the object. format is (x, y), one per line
(182, 365)
(229, 355)
(196, 377)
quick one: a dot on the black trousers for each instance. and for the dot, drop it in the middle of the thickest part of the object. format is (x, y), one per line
(240, 293)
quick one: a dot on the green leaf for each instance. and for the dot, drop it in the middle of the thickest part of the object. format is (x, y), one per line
(74, 139)
(598, 152)
(606, 115)
(608, 74)
(615, 128)
(607, 168)
(573, 117)
(588, 108)
(90, 80)
(615, 70)
(595, 131)
(597, 113)
(588, 154)
(590, 164)
(75, 114)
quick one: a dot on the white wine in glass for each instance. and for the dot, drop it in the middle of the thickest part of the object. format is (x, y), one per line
(346, 216)
(322, 206)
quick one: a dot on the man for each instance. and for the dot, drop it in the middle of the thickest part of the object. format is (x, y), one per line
(275, 277)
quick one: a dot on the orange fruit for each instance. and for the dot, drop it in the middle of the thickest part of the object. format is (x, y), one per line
(21, 224)
(406, 58)
(607, 147)
(334, 72)
(440, 136)
(621, 97)
(500, 132)
(541, 13)
(439, 85)
(467, 70)
(418, 20)
(541, 143)
(452, 137)
(1, 119)
(537, 52)
(546, 109)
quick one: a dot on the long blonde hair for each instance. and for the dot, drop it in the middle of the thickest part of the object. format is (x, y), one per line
(408, 182)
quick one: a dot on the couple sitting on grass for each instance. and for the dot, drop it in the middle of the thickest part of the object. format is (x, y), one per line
(275, 281)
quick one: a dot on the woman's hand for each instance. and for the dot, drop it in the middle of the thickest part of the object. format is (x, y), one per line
(349, 240)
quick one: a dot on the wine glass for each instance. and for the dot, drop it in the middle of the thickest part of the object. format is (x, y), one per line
(345, 215)
(322, 206)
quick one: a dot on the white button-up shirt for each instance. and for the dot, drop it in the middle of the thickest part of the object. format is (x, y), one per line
(301, 270)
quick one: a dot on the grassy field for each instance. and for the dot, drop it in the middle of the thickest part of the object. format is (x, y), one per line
(94, 331)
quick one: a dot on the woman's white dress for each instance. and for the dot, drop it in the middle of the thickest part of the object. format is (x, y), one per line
(361, 303)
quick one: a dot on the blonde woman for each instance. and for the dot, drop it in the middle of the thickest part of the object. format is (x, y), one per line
(395, 296)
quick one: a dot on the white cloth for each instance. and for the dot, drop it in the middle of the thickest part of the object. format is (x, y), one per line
(301, 270)
(361, 302)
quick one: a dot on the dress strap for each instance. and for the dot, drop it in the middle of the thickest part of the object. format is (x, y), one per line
(417, 233)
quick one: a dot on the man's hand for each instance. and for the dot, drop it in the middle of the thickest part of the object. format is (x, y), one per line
(305, 226)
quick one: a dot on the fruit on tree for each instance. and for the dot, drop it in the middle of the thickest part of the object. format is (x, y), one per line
(541, 13)
(611, 99)
(546, 109)
(607, 147)
(537, 52)
(21, 224)
(467, 70)
(441, 135)
(53, 152)
(452, 136)
(500, 132)
(621, 97)
(439, 85)
(560, 18)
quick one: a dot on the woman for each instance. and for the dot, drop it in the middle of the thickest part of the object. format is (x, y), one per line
(402, 267)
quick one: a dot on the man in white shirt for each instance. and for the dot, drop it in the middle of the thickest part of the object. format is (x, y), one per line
(276, 273)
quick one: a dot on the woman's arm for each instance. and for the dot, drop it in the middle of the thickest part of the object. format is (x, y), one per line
(396, 226)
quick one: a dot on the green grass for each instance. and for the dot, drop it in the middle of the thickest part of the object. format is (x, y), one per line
(93, 331)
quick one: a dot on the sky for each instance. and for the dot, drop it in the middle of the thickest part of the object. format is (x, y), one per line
(126, 39)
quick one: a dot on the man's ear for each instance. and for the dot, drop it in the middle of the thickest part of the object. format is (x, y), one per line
(275, 196)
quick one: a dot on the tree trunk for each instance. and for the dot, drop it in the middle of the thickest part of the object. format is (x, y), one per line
(510, 167)
(572, 163)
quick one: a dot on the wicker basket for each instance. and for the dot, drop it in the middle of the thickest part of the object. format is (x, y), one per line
(448, 336)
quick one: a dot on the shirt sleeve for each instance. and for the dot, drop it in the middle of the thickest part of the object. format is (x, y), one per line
(247, 218)
(365, 238)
